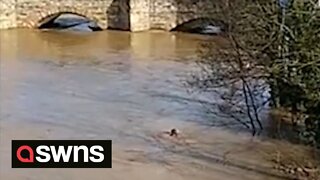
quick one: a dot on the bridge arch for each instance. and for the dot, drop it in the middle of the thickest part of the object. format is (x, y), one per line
(35, 17)
(194, 11)
(196, 23)
(48, 17)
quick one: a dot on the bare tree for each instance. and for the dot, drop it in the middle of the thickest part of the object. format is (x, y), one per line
(261, 60)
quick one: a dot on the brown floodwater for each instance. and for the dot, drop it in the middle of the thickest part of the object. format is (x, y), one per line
(127, 87)
(116, 83)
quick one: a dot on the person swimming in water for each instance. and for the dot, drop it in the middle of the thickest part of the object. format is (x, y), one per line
(173, 133)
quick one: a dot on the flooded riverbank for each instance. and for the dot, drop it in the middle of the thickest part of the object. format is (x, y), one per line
(127, 87)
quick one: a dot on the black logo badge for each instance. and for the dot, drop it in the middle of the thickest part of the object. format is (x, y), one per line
(61, 154)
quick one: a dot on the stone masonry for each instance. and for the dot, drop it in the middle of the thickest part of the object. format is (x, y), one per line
(7, 14)
(133, 15)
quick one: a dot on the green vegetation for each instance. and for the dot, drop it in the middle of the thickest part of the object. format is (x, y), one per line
(268, 49)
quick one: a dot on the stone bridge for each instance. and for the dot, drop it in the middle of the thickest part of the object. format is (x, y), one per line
(133, 15)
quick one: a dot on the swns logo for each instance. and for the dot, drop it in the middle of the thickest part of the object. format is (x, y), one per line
(61, 154)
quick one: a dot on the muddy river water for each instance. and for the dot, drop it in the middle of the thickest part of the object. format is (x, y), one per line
(127, 87)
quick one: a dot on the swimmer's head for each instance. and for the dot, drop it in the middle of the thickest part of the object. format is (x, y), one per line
(173, 132)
